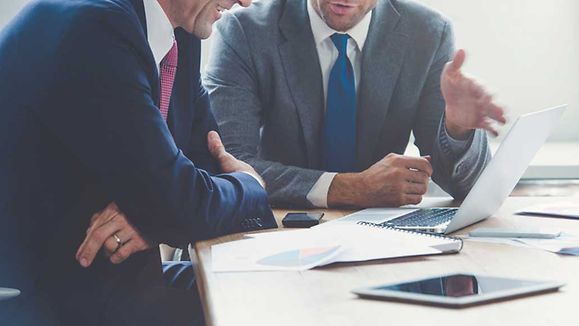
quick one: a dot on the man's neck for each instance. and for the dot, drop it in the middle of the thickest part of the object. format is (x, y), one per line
(168, 9)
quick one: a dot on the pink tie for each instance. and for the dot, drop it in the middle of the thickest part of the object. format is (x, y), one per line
(168, 70)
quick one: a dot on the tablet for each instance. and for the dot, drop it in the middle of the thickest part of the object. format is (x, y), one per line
(457, 290)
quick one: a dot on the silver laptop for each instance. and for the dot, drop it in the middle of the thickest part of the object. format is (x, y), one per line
(494, 184)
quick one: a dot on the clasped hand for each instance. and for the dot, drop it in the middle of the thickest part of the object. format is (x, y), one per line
(111, 230)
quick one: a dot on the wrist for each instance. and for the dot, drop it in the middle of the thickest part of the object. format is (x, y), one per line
(455, 131)
(344, 190)
(256, 176)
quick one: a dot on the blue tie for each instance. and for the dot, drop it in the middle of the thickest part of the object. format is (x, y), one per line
(339, 151)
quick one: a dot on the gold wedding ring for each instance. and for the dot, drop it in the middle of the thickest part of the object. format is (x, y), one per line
(119, 242)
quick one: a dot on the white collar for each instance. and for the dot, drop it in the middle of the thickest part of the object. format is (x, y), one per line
(322, 31)
(160, 33)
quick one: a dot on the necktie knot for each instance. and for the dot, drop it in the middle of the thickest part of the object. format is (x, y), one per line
(172, 57)
(341, 42)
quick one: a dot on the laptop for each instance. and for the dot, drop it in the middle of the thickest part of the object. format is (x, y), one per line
(493, 186)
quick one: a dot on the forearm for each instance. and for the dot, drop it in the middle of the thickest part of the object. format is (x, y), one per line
(287, 186)
(394, 181)
(344, 191)
(161, 191)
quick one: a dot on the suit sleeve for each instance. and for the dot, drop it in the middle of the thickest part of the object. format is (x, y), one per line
(456, 164)
(235, 98)
(204, 122)
(110, 123)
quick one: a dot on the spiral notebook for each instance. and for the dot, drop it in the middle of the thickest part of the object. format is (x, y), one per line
(310, 248)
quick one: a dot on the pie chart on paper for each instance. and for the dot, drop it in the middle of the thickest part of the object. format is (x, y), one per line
(300, 257)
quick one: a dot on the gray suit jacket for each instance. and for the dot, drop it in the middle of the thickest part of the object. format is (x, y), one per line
(266, 90)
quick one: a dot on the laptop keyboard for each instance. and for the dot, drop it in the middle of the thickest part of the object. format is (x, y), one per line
(429, 217)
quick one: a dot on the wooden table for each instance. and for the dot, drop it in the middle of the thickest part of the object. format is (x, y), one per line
(322, 296)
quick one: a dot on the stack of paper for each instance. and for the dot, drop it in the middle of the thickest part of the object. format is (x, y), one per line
(565, 244)
(305, 249)
(561, 209)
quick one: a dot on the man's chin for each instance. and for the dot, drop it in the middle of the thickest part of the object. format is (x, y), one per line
(339, 24)
(202, 33)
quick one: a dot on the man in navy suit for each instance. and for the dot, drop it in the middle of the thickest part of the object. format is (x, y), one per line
(101, 106)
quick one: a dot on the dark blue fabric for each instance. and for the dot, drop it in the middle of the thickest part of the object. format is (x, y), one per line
(80, 128)
(339, 154)
(180, 275)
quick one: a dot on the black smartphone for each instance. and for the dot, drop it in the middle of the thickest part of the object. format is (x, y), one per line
(301, 220)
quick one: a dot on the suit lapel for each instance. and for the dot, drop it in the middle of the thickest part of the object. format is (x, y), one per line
(180, 114)
(153, 73)
(303, 73)
(382, 59)
(185, 89)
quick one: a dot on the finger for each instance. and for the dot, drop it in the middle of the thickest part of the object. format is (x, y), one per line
(94, 241)
(415, 188)
(111, 245)
(417, 177)
(458, 61)
(496, 113)
(244, 3)
(107, 214)
(488, 127)
(418, 163)
(479, 91)
(484, 102)
(215, 144)
(412, 199)
(428, 158)
(130, 248)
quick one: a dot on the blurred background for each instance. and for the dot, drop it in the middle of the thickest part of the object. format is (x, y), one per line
(525, 51)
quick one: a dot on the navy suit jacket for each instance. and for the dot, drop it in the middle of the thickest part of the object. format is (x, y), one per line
(80, 128)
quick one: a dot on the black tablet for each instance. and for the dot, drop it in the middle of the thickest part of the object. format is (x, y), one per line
(457, 290)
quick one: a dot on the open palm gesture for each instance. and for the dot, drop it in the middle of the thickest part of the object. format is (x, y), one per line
(468, 105)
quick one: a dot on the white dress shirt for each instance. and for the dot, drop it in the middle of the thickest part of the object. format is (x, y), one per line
(160, 32)
(161, 36)
(328, 54)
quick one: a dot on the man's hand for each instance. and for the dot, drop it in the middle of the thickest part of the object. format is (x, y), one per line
(394, 181)
(227, 162)
(106, 229)
(468, 105)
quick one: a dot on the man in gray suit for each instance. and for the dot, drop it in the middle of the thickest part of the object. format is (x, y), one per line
(320, 97)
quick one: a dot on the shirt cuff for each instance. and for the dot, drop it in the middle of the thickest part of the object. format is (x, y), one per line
(318, 195)
(456, 147)
(256, 179)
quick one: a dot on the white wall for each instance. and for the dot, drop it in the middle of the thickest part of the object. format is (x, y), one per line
(527, 51)
(8, 8)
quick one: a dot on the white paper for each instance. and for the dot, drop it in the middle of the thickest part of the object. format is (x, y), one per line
(370, 215)
(564, 241)
(341, 243)
(506, 241)
(362, 243)
(271, 255)
(561, 209)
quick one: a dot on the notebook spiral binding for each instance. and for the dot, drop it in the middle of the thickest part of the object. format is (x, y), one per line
(374, 225)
